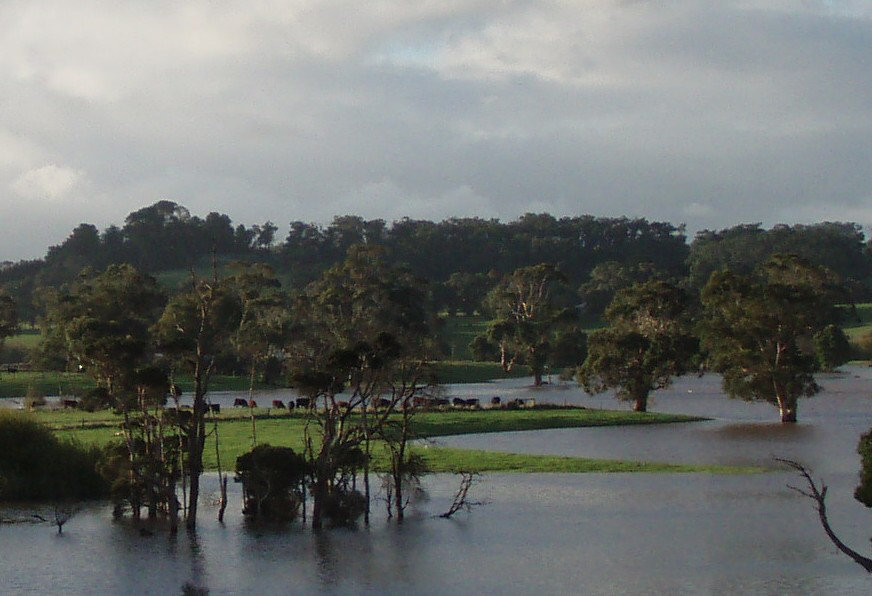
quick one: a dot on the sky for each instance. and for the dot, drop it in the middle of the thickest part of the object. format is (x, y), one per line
(697, 112)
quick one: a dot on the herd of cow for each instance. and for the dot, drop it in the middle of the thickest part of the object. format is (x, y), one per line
(381, 403)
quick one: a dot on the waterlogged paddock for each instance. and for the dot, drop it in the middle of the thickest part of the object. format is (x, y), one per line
(538, 533)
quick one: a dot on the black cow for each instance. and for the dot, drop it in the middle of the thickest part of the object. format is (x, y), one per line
(70, 403)
(472, 402)
(240, 403)
(277, 403)
(495, 401)
(215, 408)
(303, 402)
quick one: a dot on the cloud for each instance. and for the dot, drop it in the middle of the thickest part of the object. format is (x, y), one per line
(47, 182)
(690, 111)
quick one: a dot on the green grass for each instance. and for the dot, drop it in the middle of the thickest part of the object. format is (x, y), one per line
(858, 322)
(458, 332)
(27, 339)
(287, 430)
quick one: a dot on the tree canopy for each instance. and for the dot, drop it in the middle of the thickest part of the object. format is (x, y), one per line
(647, 343)
(758, 329)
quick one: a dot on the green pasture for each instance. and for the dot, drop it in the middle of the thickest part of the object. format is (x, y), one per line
(235, 433)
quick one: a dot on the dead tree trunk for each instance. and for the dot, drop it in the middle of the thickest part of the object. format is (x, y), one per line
(819, 496)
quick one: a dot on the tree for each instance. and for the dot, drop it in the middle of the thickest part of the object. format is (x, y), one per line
(193, 329)
(758, 329)
(8, 318)
(102, 321)
(272, 479)
(531, 306)
(647, 343)
(863, 494)
(832, 347)
(263, 321)
(362, 328)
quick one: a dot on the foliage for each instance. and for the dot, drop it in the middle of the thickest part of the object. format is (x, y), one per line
(647, 343)
(271, 480)
(839, 247)
(8, 318)
(531, 307)
(863, 492)
(831, 347)
(36, 465)
(609, 277)
(758, 329)
(103, 322)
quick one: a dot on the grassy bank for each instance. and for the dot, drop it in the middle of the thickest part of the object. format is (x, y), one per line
(287, 430)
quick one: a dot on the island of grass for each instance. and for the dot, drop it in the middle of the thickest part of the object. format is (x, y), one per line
(234, 430)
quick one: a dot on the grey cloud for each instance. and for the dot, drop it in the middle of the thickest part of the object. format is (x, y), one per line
(709, 113)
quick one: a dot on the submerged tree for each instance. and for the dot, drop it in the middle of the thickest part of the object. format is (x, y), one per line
(193, 329)
(647, 343)
(272, 482)
(758, 329)
(818, 494)
(362, 332)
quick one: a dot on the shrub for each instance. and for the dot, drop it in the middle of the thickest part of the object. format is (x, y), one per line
(36, 465)
(271, 478)
(95, 399)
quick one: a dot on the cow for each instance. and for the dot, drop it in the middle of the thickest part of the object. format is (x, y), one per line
(472, 402)
(343, 404)
(252, 403)
(278, 404)
(495, 400)
(69, 403)
(240, 403)
(215, 408)
(458, 403)
(440, 401)
(382, 403)
(304, 402)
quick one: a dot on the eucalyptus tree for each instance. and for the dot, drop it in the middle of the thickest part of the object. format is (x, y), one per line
(262, 319)
(531, 307)
(363, 330)
(194, 328)
(647, 343)
(103, 320)
(758, 329)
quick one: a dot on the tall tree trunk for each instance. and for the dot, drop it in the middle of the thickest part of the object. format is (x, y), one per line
(788, 412)
(640, 403)
(251, 404)
(196, 443)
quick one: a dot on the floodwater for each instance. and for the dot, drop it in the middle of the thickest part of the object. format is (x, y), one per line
(548, 533)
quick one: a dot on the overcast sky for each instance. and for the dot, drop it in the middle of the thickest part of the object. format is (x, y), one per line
(705, 113)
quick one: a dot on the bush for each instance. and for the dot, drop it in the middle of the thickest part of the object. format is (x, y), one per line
(344, 507)
(36, 465)
(271, 478)
(95, 399)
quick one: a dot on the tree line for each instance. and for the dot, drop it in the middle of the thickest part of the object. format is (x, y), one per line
(462, 257)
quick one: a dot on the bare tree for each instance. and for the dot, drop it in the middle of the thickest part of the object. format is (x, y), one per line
(461, 498)
(819, 496)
